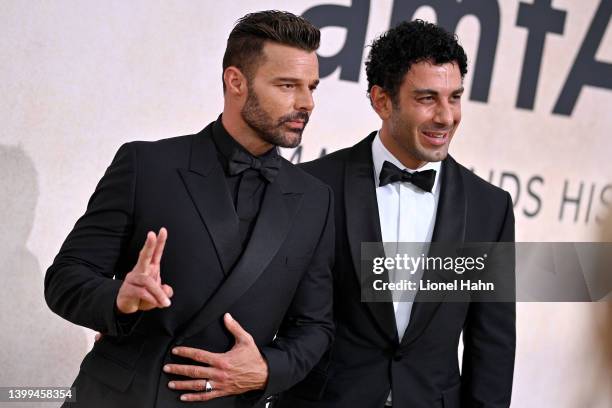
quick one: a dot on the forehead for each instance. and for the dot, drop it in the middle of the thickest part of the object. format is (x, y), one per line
(426, 74)
(285, 61)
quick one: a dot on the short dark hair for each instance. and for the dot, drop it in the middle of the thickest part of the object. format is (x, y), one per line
(246, 41)
(393, 53)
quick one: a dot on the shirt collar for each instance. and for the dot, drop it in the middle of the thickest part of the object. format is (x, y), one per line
(380, 154)
(226, 144)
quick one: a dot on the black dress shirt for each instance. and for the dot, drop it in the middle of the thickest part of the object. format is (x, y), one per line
(249, 182)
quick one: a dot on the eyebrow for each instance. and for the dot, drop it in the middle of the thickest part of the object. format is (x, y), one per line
(295, 80)
(427, 91)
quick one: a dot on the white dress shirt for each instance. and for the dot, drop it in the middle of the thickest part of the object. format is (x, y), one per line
(407, 214)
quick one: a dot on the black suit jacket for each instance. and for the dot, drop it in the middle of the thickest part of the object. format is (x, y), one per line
(281, 285)
(367, 360)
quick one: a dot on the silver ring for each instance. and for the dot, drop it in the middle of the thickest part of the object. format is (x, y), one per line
(208, 387)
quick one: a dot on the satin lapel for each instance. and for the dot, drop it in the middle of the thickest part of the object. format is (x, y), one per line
(206, 184)
(363, 224)
(275, 218)
(449, 228)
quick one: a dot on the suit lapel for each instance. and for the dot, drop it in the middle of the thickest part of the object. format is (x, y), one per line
(452, 209)
(279, 206)
(206, 184)
(449, 228)
(363, 224)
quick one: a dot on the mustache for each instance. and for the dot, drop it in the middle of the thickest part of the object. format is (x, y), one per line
(296, 116)
(438, 129)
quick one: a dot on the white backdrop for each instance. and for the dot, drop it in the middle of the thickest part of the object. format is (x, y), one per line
(78, 79)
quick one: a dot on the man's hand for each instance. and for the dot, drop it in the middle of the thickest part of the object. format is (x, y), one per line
(142, 288)
(239, 370)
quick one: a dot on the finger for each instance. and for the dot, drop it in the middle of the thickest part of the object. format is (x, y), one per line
(138, 298)
(98, 336)
(241, 335)
(144, 296)
(199, 355)
(159, 296)
(203, 396)
(146, 253)
(168, 290)
(159, 247)
(186, 370)
(161, 299)
(192, 385)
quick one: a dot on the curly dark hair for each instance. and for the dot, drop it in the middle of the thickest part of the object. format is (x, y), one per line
(393, 53)
(246, 41)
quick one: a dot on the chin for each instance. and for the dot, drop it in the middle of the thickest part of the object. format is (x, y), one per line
(439, 156)
(290, 141)
(434, 156)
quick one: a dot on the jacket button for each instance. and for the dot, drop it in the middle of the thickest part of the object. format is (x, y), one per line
(179, 342)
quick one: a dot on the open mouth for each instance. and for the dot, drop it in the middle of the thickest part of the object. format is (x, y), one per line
(435, 138)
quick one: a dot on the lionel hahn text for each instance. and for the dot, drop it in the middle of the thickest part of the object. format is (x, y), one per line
(427, 285)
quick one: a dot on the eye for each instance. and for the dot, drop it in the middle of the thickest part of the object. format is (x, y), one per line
(427, 98)
(287, 86)
(456, 97)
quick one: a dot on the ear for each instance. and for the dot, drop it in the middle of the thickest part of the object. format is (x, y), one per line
(381, 102)
(235, 81)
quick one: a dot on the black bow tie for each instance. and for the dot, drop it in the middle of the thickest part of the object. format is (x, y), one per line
(390, 173)
(268, 167)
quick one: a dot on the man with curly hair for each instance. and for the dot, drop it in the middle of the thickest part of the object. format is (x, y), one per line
(400, 185)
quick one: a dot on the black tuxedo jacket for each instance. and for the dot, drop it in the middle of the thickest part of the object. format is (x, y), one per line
(280, 286)
(367, 360)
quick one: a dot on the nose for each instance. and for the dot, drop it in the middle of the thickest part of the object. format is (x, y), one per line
(304, 101)
(444, 114)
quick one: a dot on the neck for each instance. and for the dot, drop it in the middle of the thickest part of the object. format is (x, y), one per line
(398, 151)
(243, 133)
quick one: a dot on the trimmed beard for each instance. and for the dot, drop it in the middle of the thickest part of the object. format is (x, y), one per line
(269, 130)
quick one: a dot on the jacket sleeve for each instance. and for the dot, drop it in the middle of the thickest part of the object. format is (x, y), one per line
(489, 338)
(307, 329)
(80, 284)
